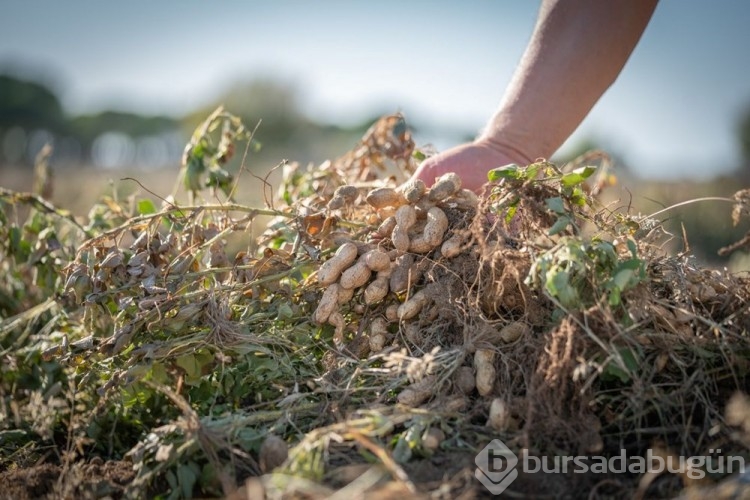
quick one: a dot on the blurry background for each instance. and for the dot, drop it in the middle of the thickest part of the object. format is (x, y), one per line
(118, 87)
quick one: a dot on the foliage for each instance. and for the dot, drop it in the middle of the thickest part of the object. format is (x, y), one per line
(165, 335)
(29, 104)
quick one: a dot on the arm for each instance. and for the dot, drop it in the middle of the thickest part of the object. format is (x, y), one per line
(576, 51)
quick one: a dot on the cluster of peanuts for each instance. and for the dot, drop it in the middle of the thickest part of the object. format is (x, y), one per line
(412, 220)
(481, 377)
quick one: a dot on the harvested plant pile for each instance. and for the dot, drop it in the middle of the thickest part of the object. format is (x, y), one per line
(373, 338)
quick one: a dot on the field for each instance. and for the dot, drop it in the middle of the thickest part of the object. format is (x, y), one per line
(351, 336)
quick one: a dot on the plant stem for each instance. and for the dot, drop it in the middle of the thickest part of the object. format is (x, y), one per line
(688, 202)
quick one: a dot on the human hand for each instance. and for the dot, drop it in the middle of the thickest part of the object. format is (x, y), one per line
(470, 161)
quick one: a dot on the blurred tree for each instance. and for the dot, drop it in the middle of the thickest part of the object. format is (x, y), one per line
(88, 127)
(29, 105)
(744, 137)
(274, 103)
(587, 145)
(285, 132)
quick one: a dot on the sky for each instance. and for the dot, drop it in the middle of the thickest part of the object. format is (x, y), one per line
(672, 113)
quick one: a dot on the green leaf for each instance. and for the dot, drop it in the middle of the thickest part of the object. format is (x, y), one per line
(560, 224)
(533, 170)
(408, 442)
(623, 278)
(198, 151)
(20, 248)
(627, 274)
(190, 364)
(603, 252)
(402, 451)
(146, 207)
(204, 357)
(285, 311)
(11, 436)
(193, 173)
(577, 176)
(615, 297)
(512, 209)
(134, 395)
(220, 178)
(418, 155)
(578, 197)
(511, 171)
(613, 372)
(622, 368)
(159, 373)
(37, 223)
(555, 204)
(558, 285)
(186, 478)
(633, 248)
(172, 480)
(209, 477)
(193, 364)
(250, 439)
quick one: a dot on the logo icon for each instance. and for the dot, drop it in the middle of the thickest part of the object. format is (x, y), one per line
(496, 467)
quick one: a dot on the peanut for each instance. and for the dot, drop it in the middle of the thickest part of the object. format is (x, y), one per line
(355, 276)
(424, 205)
(445, 186)
(336, 203)
(385, 273)
(337, 319)
(273, 452)
(455, 404)
(464, 379)
(413, 333)
(465, 199)
(386, 227)
(418, 393)
(331, 269)
(377, 260)
(403, 273)
(385, 197)
(385, 212)
(411, 307)
(376, 291)
(499, 417)
(514, 331)
(344, 295)
(391, 312)
(378, 334)
(431, 313)
(364, 247)
(484, 362)
(406, 216)
(327, 304)
(347, 192)
(434, 230)
(413, 190)
(432, 438)
(452, 246)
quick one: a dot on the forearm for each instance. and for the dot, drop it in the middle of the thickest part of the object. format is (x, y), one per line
(576, 52)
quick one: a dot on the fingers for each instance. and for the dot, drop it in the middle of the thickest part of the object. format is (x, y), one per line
(470, 161)
(427, 170)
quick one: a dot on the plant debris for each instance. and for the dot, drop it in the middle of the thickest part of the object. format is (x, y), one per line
(372, 339)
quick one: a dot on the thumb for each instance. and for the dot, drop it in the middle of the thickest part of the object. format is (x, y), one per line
(435, 166)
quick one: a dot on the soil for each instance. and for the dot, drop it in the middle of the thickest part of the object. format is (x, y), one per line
(96, 479)
(109, 479)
